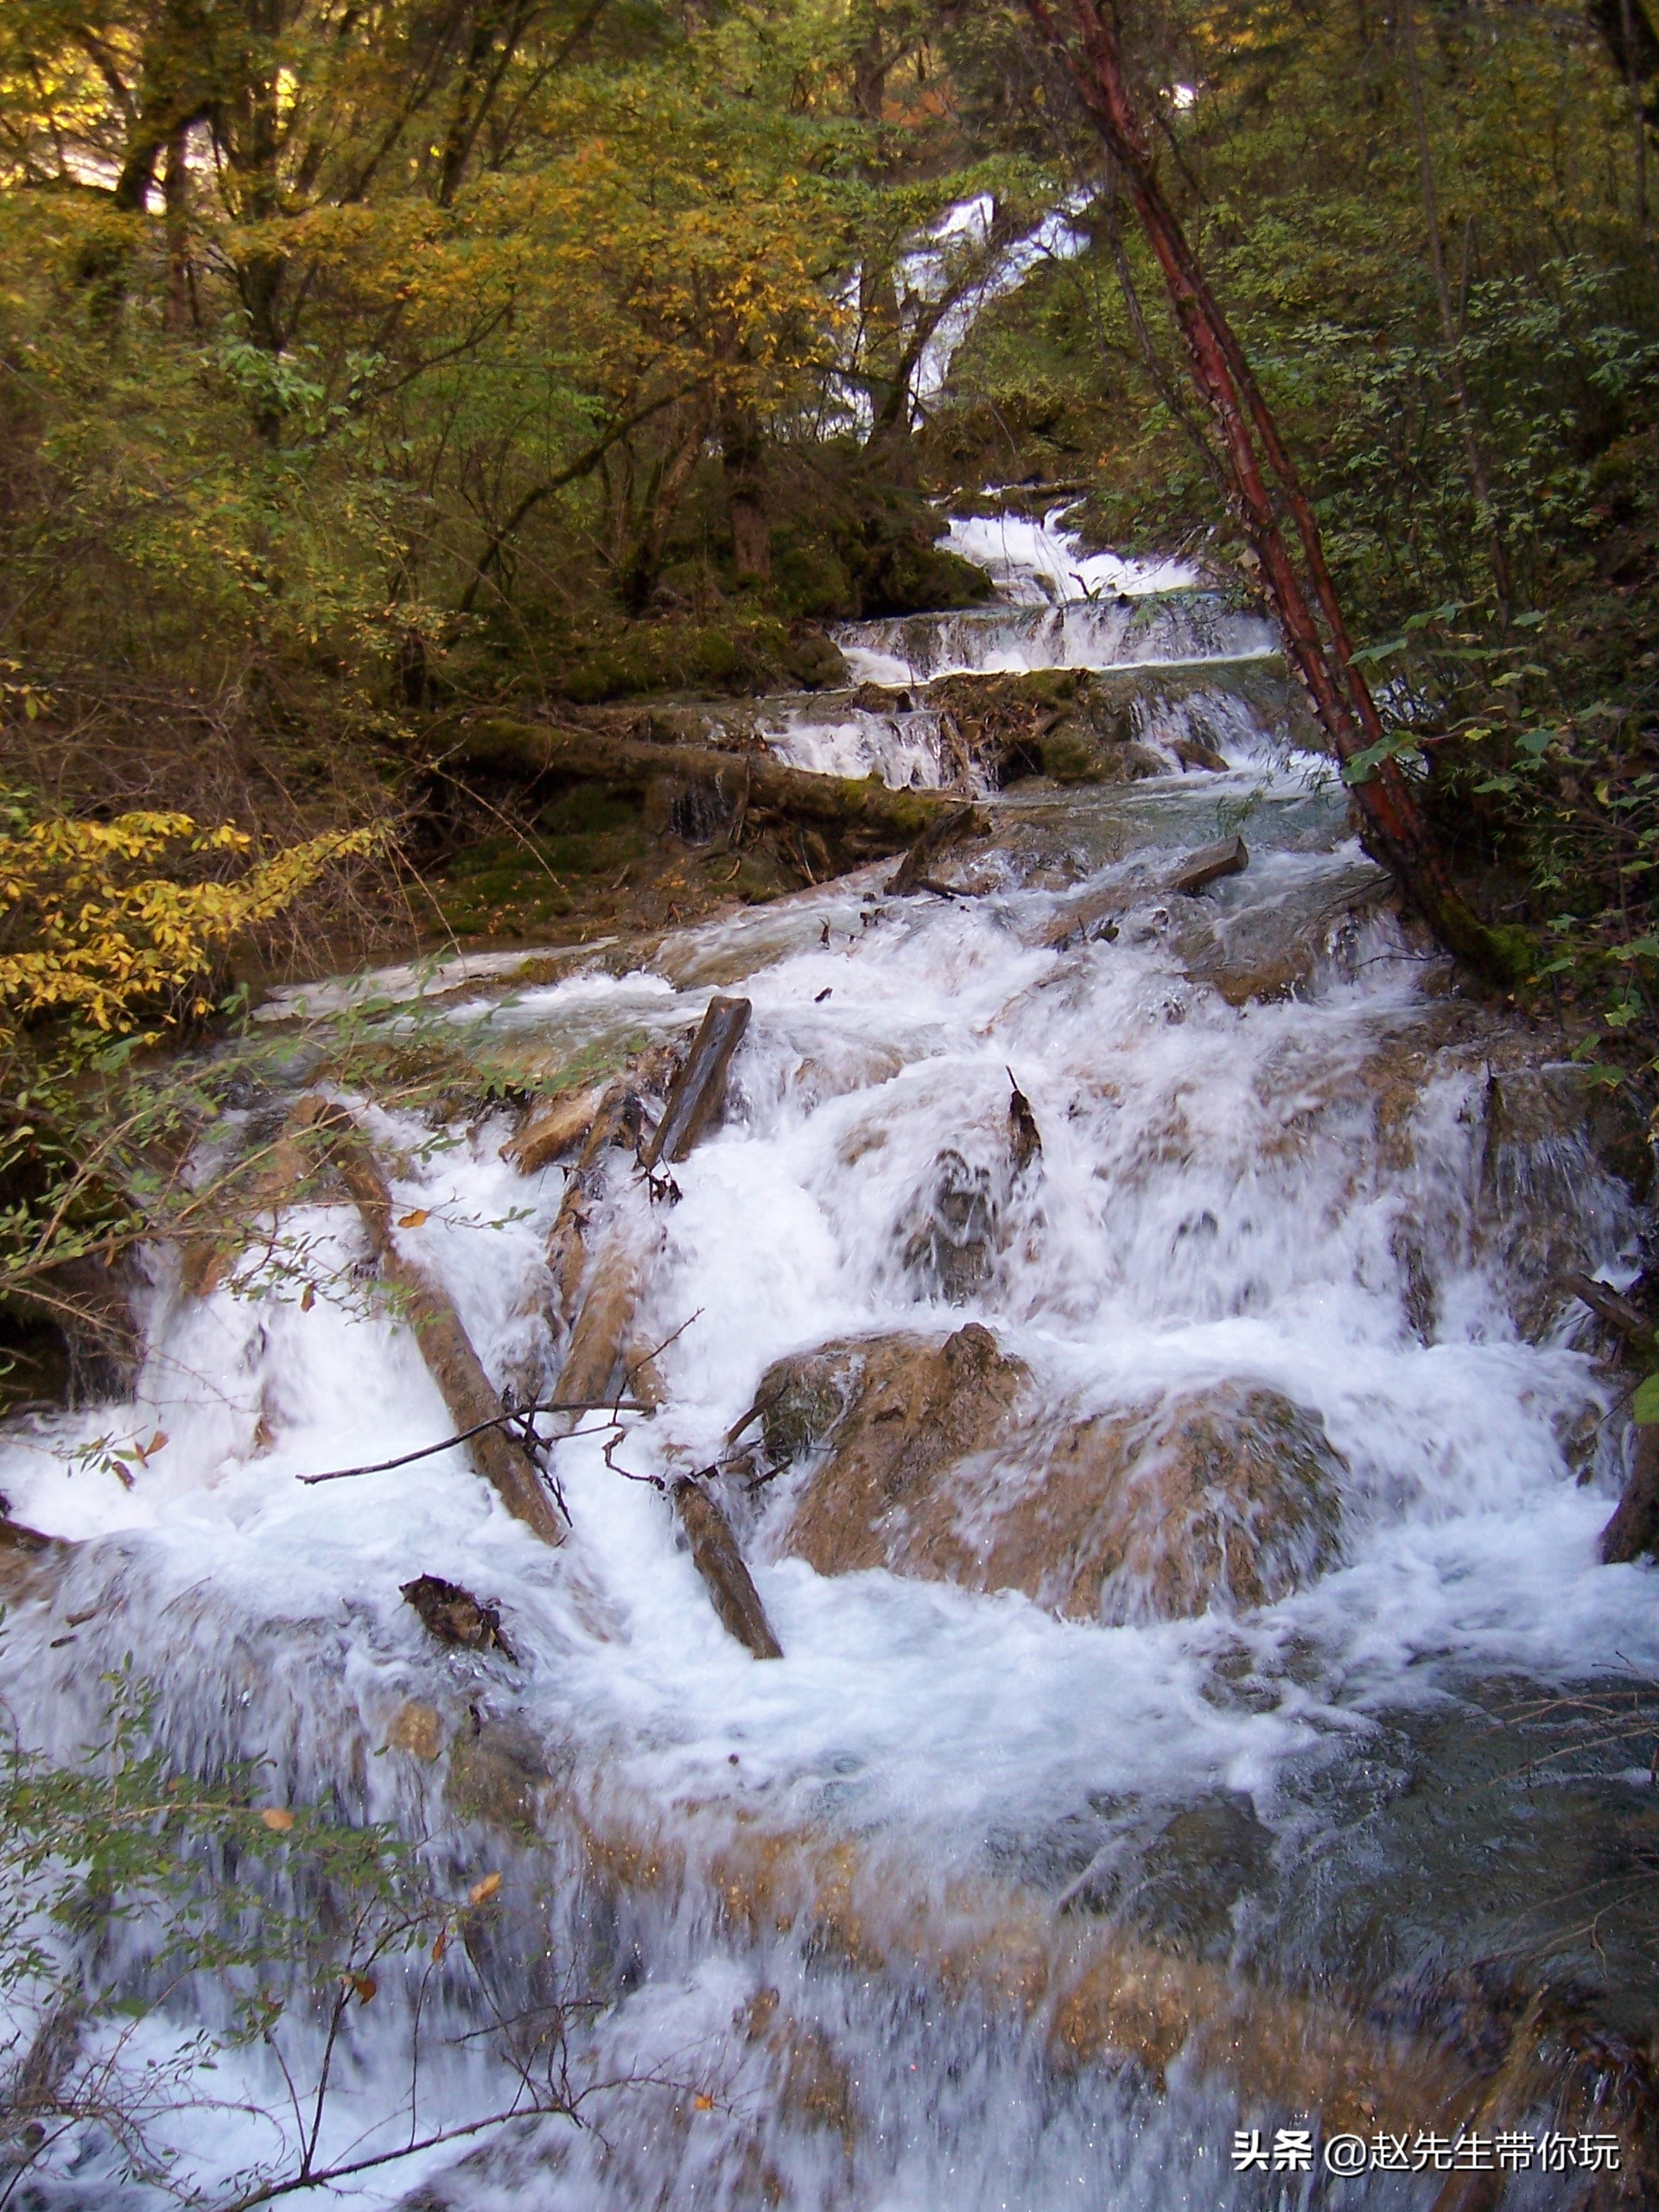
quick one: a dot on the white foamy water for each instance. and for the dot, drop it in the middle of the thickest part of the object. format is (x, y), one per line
(997, 640)
(1041, 564)
(1305, 1191)
(930, 268)
(904, 748)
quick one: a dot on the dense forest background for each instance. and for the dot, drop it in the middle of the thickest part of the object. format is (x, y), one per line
(362, 365)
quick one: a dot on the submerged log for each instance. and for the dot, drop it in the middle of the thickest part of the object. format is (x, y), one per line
(466, 1391)
(861, 813)
(1095, 1993)
(700, 1087)
(718, 1560)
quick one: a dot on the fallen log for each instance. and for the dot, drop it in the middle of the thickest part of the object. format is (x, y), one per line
(280, 1177)
(552, 1126)
(861, 813)
(603, 1325)
(1209, 864)
(447, 1351)
(618, 1116)
(914, 872)
(700, 1087)
(643, 1376)
(1633, 1532)
(718, 1560)
(1608, 1304)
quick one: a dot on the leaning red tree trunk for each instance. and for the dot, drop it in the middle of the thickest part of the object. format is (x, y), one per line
(1394, 828)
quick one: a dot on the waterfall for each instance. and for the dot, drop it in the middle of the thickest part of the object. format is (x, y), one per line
(1297, 1224)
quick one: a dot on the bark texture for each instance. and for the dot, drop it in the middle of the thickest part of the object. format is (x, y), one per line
(1256, 462)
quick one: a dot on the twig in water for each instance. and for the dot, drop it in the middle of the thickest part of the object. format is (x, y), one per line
(521, 1415)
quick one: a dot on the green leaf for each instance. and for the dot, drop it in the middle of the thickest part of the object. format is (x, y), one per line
(1645, 1406)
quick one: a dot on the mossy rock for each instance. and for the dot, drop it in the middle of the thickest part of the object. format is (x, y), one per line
(514, 886)
(811, 579)
(738, 656)
(927, 580)
(585, 811)
(1070, 757)
(1050, 687)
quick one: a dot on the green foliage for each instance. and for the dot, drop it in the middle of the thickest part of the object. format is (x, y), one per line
(136, 1898)
(1483, 452)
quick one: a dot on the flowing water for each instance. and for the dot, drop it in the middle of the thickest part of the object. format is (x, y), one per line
(1277, 1157)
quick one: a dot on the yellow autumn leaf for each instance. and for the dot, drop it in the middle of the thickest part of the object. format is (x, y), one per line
(412, 1220)
(278, 1818)
(487, 1888)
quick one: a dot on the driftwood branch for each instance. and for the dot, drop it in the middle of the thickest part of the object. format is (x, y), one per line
(473, 1403)
(1607, 1305)
(517, 1419)
(699, 1091)
(717, 1558)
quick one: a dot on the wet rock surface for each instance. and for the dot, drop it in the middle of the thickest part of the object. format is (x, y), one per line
(936, 1464)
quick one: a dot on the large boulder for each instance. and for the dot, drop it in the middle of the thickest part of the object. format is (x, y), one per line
(930, 1459)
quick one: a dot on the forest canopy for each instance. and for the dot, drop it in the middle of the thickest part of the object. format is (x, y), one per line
(361, 364)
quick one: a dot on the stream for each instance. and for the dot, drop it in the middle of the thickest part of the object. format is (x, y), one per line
(1287, 1258)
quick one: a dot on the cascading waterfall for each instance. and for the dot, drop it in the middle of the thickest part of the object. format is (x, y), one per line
(1284, 1179)
(1117, 632)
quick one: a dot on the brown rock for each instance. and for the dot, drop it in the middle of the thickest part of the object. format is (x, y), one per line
(553, 1127)
(1227, 1493)
(454, 1616)
(418, 1728)
(1192, 753)
(1209, 864)
(912, 1411)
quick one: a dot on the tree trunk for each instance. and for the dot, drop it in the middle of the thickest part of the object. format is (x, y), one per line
(1479, 480)
(743, 458)
(1393, 828)
(1638, 131)
(179, 315)
(642, 562)
(858, 813)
